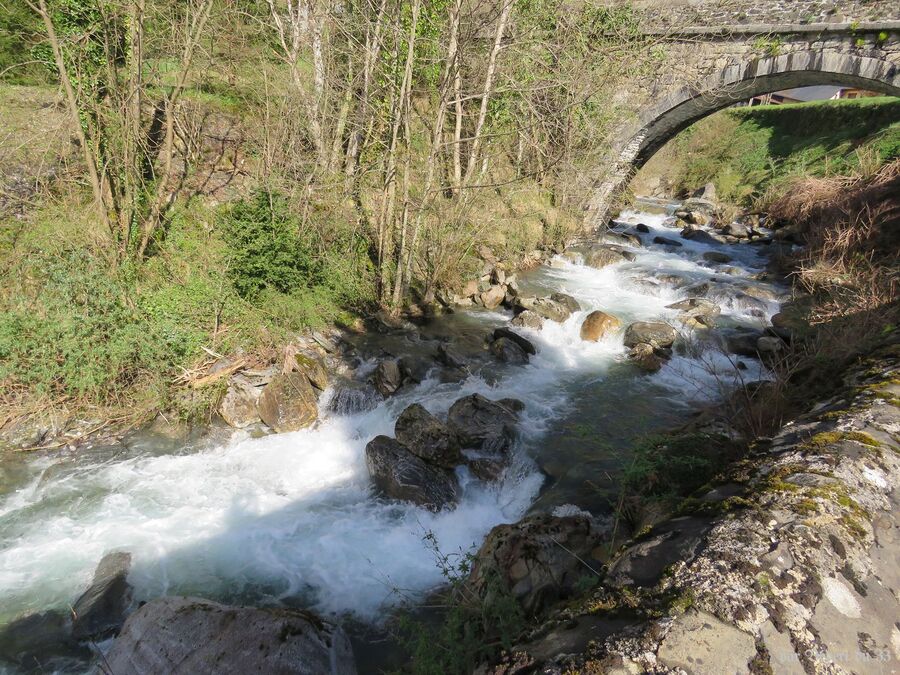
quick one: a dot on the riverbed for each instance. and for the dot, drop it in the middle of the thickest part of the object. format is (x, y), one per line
(292, 518)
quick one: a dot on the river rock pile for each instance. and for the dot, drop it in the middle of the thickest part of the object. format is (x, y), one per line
(418, 465)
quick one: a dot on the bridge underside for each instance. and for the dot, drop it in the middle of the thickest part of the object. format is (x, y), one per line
(876, 69)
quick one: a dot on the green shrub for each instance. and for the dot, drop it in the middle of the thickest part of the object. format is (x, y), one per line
(84, 335)
(267, 251)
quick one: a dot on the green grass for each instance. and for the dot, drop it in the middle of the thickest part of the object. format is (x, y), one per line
(746, 152)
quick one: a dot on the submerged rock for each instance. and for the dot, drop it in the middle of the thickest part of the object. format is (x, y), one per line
(644, 356)
(696, 308)
(201, 637)
(540, 560)
(35, 641)
(352, 397)
(665, 241)
(654, 333)
(100, 611)
(427, 437)
(716, 257)
(399, 474)
(483, 424)
(288, 403)
(598, 324)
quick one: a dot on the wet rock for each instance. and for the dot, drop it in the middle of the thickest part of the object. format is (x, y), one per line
(100, 611)
(702, 236)
(387, 377)
(665, 241)
(487, 469)
(528, 319)
(238, 406)
(598, 324)
(743, 342)
(545, 308)
(399, 474)
(508, 351)
(35, 641)
(191, 635)
(483, 424)
(644, 356)
(314, 369)
(566, 301)
(694, 308)
(523, 342)
(622, 238)
(716, 257)
(427, 437)
(352, 397)
(654, 333)
(700, 205)
(493, 297)
(540, 560)
(288, 403)
(640, 227)
(449, 356)
(603, 256)
(413, 369)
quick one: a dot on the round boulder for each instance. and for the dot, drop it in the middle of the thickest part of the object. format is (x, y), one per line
(399, 474)
(288, 403)
(598, 324)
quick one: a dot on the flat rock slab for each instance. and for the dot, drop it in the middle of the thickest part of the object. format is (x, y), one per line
(703, 645)
(643, 563)
(191, 635)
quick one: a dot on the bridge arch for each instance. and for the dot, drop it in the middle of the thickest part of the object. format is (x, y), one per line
(659, 122)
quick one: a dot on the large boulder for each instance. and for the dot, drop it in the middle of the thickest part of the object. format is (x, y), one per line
(201, 637)
(716, 257)
(665, 241)
(427, 437)
(566, 301)
(540, 560)
(238, 406)
(493, 297)
(399, 474)
(702, 236)
(738, 230)
(508, 351)
(387, 377)
(528, 319)
(37, 642)
(655, 333)
(100, 611)
(482, 424)
(314, 369)
(598, 324)
(706, 193)
(288, 403)
(545, 308)
(602, 256)
(524, 343)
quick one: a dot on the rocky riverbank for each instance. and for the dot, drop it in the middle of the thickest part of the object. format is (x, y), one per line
(787, 564)
(424, 459)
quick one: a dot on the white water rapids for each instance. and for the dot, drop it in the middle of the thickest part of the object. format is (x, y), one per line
(292, 517)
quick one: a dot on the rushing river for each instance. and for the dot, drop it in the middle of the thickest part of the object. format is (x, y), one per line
(291, 518)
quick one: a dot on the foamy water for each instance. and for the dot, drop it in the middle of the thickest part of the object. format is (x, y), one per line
(293, 518)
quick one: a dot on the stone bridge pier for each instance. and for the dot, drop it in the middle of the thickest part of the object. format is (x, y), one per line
(714, 58)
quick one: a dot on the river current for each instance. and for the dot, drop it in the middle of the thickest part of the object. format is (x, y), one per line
(292, 518)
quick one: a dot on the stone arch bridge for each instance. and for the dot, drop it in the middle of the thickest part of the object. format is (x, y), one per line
(716, 55)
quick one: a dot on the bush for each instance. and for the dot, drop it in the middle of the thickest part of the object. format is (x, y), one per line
(83, 334)
(267, 251)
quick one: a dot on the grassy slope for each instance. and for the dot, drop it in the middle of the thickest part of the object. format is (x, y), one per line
(747, 152)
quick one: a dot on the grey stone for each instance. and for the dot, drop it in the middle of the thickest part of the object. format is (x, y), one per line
(483, 424)
(100, 611)
(427, 437)
(399, 474)
(701, 644)
(191, 635)
(656, 333)
(525, 344)
(288, 403)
